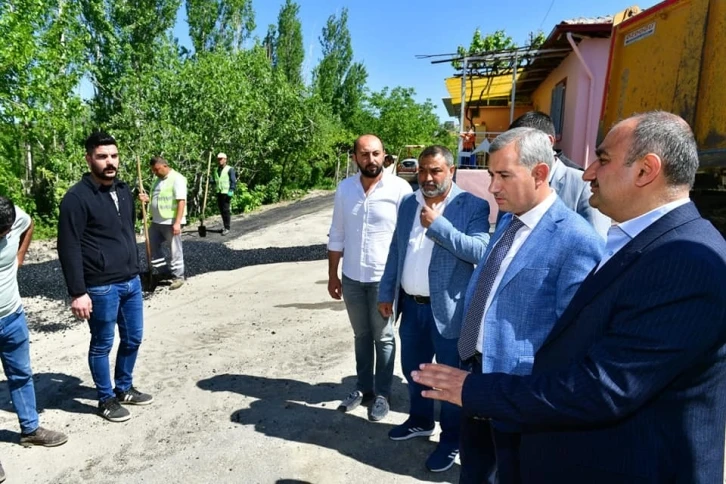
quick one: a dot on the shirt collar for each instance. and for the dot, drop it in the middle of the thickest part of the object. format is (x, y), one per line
(636, 225)
(552, 168)
(532, 217)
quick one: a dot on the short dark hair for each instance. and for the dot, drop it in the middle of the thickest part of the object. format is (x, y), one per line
(537, 120)
(355, 143)
(671, 138)
(99, 138)
(158, 160)
(7, 214)
(435, 150)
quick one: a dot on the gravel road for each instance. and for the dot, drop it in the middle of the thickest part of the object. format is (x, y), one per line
(247, 362)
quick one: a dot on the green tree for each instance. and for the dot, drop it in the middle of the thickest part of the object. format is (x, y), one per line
(330, 73)
(396, 117)
(289, 52)
(41, 63)
(224, 24)
(496, 42)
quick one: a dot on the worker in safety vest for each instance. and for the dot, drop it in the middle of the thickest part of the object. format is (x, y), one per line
(225, 180)
(169, 211)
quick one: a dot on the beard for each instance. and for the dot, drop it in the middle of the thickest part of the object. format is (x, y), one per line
(370, 171)
(105, 172)
(433, 190)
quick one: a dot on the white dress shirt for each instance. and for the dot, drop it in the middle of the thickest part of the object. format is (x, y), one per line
(530, 220)
(620, 234)
(363, 225)
(415, 276)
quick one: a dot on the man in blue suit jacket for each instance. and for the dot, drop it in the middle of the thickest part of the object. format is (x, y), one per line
(630, 386)
(441, 232)
(564, 179)
(538, 256)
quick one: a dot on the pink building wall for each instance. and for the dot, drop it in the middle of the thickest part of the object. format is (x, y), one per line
(576, 139)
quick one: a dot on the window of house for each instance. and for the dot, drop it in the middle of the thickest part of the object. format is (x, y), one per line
(557, 108)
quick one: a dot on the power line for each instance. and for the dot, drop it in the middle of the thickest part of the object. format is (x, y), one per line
(546, 15)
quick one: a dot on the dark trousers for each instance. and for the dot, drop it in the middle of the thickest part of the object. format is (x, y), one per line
(487, 454)
(223, 201)
(420, 341)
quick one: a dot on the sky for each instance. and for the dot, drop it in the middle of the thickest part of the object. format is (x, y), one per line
(387, 35)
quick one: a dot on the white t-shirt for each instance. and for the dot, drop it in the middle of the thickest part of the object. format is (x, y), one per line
(180, 193)
(9, 293)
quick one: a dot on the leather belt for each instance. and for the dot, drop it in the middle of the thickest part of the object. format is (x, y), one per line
(420, 299)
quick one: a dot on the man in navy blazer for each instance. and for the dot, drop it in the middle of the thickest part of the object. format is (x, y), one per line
(537, 258)
(441, 232)
(630, 385)
(564, 179)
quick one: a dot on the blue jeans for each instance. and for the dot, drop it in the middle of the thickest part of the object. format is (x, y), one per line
(15, 356)
(420, 341)
(120, 303)
(371, 331)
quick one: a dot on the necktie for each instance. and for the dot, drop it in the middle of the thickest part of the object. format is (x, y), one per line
(472, 320)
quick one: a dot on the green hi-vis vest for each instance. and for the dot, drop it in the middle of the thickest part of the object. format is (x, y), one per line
(165, 201)
(222, 179)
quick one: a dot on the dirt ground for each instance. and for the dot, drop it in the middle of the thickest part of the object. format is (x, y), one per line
(247, 363)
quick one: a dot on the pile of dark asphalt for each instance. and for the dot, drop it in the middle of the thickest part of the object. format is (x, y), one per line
(41, 278)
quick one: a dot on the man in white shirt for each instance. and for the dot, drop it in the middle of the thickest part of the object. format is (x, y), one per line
(168, 210)
(16, 231)
(364, 218)
(442, 232)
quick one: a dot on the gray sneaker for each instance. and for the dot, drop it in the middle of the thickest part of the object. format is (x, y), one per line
(134, 397)
(2, 473)
(354, 399)
(225, 231)
(351, 401)
(112, 410)
(43, 437)
(379, 409)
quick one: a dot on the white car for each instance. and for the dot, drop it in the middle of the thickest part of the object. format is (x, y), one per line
(407, 169)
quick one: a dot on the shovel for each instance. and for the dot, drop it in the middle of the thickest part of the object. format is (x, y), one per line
(147, 278)
(202, 229)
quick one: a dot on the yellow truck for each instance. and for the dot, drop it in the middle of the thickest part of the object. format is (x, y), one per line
(673, 57)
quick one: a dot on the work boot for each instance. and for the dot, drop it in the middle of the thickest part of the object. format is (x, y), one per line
(44, 437)
(176, 283)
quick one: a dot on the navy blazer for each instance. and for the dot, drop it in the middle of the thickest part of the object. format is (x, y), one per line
(630, 386)
(460, 238)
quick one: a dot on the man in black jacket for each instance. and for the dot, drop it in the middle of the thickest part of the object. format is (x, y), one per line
(97, 251)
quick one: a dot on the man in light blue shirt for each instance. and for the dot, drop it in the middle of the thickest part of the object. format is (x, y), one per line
(16, 231)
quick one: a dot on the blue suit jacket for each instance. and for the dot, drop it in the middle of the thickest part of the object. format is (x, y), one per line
(460, 238)
(536, 287)
(630, 386)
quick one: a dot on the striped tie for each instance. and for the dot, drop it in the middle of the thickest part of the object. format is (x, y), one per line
(472, 320)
